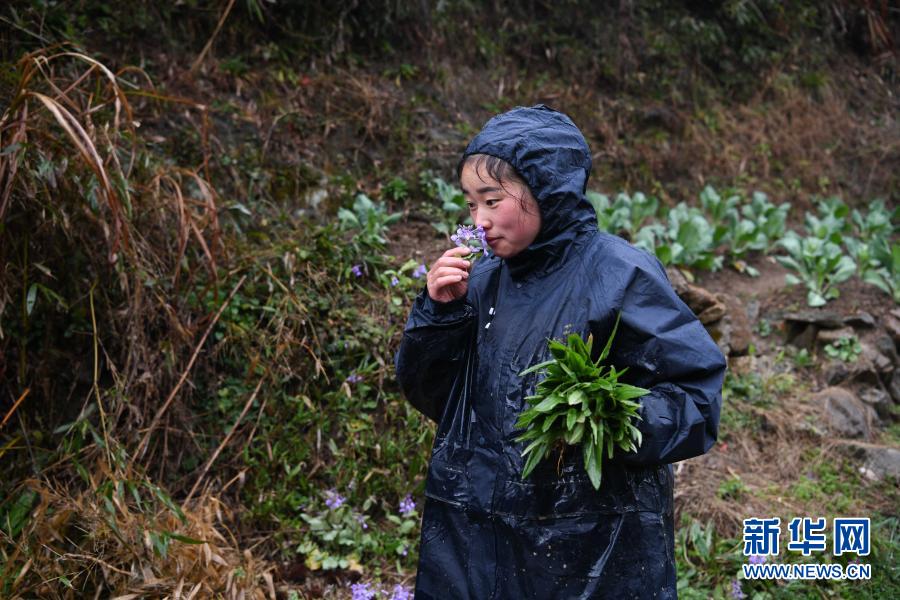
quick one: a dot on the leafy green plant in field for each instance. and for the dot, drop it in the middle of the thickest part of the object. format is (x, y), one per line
(688, 240)
(819, 265)
(846, 349)
(338, 536)
(369, 221)
(580, 402)
(884, 271)
(450, 207)
(396, 189)
(706, 562)
(722, 211)
(878, 222)
(830, 223)
(627, 213)
(761, 225)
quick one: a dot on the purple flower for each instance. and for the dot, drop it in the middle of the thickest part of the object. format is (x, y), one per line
(357, 270)
(757, 559)
(407, 505)
(362, 521)
(362, 591)
(394, 281)
(472, 238)
(333, 500)
(400, 593)
(736, 592)
(404, 551)
(420, 271)
(354, 378)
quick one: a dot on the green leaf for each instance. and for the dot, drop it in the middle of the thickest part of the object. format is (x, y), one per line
(548, 403)
(570, 418)
(576, 397)
(609, 341)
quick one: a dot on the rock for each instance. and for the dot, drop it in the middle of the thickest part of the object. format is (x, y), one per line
(836, 372)
(894, 386)
(712, 313)
(870, 355)
(844, 413)
(892, 326)
(802, 336)
(830, 336)
(741, 334)
(702, 302)
(878, 399)
(886, 346)
(860, 319)
(879, 462)
(825, 319)
(802, 326)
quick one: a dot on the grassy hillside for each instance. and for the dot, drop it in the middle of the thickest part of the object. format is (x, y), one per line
(212, 219)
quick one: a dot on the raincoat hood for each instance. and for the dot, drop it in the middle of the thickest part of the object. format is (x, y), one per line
(549, 152)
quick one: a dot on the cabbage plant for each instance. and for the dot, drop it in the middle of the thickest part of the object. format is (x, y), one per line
(819, 265)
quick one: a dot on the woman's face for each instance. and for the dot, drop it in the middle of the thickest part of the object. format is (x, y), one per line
(499, 209)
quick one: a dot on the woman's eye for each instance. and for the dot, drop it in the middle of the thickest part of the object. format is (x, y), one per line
(491, 203)
(471, 205)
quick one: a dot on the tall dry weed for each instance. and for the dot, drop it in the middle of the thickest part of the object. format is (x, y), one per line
(100, 242)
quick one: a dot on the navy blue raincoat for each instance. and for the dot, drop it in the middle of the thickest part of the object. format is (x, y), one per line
(486, 532)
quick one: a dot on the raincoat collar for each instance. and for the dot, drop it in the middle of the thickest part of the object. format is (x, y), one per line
(549, 152)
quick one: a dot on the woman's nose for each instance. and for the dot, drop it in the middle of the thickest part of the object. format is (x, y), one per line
(481, 220)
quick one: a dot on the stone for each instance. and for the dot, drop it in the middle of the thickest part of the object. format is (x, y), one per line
(712, 313)
(871, 356)
(879, 462)
(892, 326)
(830, 336)
(894, 386)
(825, 319)
(886, 346)
(741, 335)
(878, 399)
(844, 413)
(860, 319)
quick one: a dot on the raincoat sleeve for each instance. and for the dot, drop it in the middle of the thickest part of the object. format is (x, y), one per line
(431, 352)
(668, 351)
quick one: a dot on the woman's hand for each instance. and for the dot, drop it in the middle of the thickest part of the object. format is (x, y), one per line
(448, 278)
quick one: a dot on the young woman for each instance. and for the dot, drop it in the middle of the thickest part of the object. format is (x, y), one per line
(486, 532)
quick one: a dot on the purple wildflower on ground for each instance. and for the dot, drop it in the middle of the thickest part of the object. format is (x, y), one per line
(333, 500)
(394, 281)
(400, 593)
(362, 591)
(757, 559)
(357, 270)
(407, 505)
(362, 521)
(404, 551)
(354, 378)
(420, 271)
(736, 591)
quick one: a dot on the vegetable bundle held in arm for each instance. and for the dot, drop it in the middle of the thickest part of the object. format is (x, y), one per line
(580, 401)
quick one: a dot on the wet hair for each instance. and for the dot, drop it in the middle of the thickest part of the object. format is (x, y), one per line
(495, 168)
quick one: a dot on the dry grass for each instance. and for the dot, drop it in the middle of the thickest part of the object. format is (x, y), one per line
(98, 542)
(75, 181)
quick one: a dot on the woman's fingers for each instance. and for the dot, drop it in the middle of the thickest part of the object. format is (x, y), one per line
(447, 273)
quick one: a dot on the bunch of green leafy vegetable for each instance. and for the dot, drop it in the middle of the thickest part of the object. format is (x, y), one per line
(580, 401)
